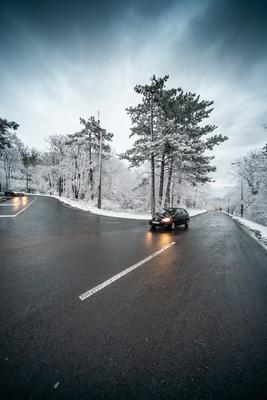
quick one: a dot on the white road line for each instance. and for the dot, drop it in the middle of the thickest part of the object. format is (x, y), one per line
(14, 215)
(6, 205)
(122, 273)
(28, 205)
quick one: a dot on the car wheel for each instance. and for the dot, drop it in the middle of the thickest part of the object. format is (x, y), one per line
(152, 228)
(186, 225)
(172, 226)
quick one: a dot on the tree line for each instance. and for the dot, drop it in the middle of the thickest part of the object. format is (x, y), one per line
(170, 158)
(252, 169)
(170, 135)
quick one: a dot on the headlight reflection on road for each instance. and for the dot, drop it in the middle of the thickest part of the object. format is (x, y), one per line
(148, 237)
(163, 238)
(15, 203)
(19, 202)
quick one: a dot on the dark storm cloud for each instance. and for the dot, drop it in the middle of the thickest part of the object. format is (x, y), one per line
(70, 27)
(58, 58)
(238, 28)
(52, 18)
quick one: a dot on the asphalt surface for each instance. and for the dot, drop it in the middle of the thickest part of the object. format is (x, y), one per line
(191, 323)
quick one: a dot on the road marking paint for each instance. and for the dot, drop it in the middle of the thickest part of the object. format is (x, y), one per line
(28, 205)
(6, 205)
(14, 215)
(122, 273)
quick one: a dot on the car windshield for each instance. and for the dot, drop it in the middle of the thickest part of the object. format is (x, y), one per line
(165, 212)
(162, 212)
(171, 210)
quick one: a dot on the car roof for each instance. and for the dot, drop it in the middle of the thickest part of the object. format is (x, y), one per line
(166, 209)
(172, 209)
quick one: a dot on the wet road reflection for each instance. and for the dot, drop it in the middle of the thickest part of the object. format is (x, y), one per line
(163, 237)
(14, 205)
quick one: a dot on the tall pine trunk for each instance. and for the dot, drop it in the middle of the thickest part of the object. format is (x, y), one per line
(6, 174)
(75, 188)
(27, 180)
(60, 186)
(152, 159)
(152, 185)
(161, 180)
(91, 179)
(168, 187)
(49, 184)
(172, 195)
(91, 174)
(7, 182)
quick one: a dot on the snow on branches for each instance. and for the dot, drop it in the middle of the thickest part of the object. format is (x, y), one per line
(170, 134)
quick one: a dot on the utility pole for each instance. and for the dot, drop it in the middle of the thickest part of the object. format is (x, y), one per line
(90, 164)
(241, 188)
(100, 163)
(242, 195)
(97, 125)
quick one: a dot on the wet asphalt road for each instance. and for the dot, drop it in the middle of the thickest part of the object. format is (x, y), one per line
(189, 324)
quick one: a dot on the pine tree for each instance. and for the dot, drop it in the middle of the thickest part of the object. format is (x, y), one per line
(171, 135)
(5, 127)
(29, 159)
(187, 142)
(144, 119)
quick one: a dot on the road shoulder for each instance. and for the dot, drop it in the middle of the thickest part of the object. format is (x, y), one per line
(256, 231)
(85, 206)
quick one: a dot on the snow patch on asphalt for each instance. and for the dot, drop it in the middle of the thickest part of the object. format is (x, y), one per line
(257, 231)
(86, 206)
(195, 211)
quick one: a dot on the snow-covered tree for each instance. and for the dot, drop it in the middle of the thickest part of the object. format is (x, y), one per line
(144, 120)
(29, 159)
(10, 158)
(6, 127)
(9, 150)
(171, 135)
(252, 169)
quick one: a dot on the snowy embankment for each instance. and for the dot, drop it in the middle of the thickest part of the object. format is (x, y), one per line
(257, 231)
(85, 206)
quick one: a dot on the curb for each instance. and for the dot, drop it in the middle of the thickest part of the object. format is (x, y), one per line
(254, 233)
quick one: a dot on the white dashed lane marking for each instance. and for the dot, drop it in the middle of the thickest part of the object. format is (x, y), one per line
(19, 212)
(122, 273)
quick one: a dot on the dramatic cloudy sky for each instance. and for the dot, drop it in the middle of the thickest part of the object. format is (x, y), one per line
(64, 59)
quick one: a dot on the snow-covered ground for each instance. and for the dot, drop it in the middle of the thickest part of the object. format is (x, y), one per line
(257, 231)
(195, 211)
(85, 206)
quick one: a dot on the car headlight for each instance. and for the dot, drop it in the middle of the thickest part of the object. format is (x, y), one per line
(166, 220)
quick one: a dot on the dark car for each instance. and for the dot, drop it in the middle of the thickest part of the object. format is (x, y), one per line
(169, 218)
(12, 193)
